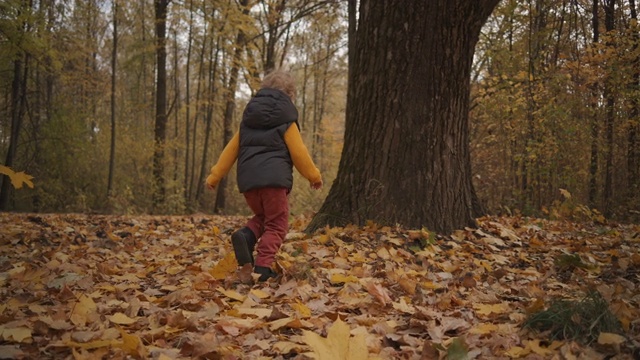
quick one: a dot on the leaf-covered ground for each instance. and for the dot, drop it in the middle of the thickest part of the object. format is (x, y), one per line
(90, 286)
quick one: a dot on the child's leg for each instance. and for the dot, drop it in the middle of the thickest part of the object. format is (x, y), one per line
(256, 223)
(245, 239)
(275, 206)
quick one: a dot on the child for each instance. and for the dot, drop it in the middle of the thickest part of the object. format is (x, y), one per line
(267, 146)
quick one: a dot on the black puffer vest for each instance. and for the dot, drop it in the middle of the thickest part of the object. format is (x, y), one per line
(264, 160)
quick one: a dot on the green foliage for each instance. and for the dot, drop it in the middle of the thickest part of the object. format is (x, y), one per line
(569, 262)
(581, 320)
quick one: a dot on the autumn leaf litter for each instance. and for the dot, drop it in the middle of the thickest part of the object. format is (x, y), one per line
(90, 286)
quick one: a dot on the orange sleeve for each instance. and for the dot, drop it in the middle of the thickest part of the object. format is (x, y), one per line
(225, 161)
(300, 155)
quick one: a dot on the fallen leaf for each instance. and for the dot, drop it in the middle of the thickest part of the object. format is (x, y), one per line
(121, 319)
(18, 334)
(610, 339)
(84, 310)
(488, 309)
(338, 345)
(341, 278)
(133, 345)
(484, 328)
(232, 294)
(301, 309)
(224, 267)
(378, 292)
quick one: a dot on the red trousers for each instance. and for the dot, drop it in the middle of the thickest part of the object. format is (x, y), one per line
(270, 222)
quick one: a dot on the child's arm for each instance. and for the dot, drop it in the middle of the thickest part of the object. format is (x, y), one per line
(225, 161)
(301, 158)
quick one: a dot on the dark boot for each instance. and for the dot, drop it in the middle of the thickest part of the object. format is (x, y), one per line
(265, 273)
(243, 242)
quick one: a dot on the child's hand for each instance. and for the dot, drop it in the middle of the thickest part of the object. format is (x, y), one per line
(210, 187)
(317, 185)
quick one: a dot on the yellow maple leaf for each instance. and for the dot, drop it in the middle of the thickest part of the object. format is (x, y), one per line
(517, 352)
(224, 267)
(302, 309)
(534, 346)
(121, 319)
(338, 345)
(96, 344)
(232, 294)
(84, 310)
(18, 334)
(341, 278)
(488, 309)
(260, 294)
(132, 344)
(610, 339)
(17, 178)
(484, 328)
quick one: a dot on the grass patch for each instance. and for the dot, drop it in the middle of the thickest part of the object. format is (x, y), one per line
(581, 320)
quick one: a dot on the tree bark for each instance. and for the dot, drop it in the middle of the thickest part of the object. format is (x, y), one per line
(18, 101)
(187, 99)
(211, 91)
(595, 126)
(18, 94)
(160, 131)
(406, 151)
(230, 104)
(633, 143)
(114, 57)
(610, 115)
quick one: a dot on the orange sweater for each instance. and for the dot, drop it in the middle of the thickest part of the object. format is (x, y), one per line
(299, 155)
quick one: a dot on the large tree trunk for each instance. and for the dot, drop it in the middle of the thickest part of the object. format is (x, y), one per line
(406, 151)
(160, 133)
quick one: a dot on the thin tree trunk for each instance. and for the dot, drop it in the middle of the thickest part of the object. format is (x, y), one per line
(18, 94)
(160, 133)
(274, 20)
(230, 104)
(199, 112)
(633, 143)
(595, 126)
(17, 110)
(187, 78)
(213, 72)
(303, 95)
(609, 95)
(114, 62)
(178, 103)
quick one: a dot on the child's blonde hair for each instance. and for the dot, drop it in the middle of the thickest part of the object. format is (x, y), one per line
(280, 80)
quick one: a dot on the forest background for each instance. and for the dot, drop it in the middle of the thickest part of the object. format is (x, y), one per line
(123, 106)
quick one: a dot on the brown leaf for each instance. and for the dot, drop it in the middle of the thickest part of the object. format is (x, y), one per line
(379, 292)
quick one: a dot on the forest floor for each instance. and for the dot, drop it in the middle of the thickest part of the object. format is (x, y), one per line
(79, 286)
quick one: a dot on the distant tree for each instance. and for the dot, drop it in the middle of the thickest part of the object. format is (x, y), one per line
(160, 133)
(18, 99)
(633, 140)
(230, 100)
(406, 149)
(114, 62)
